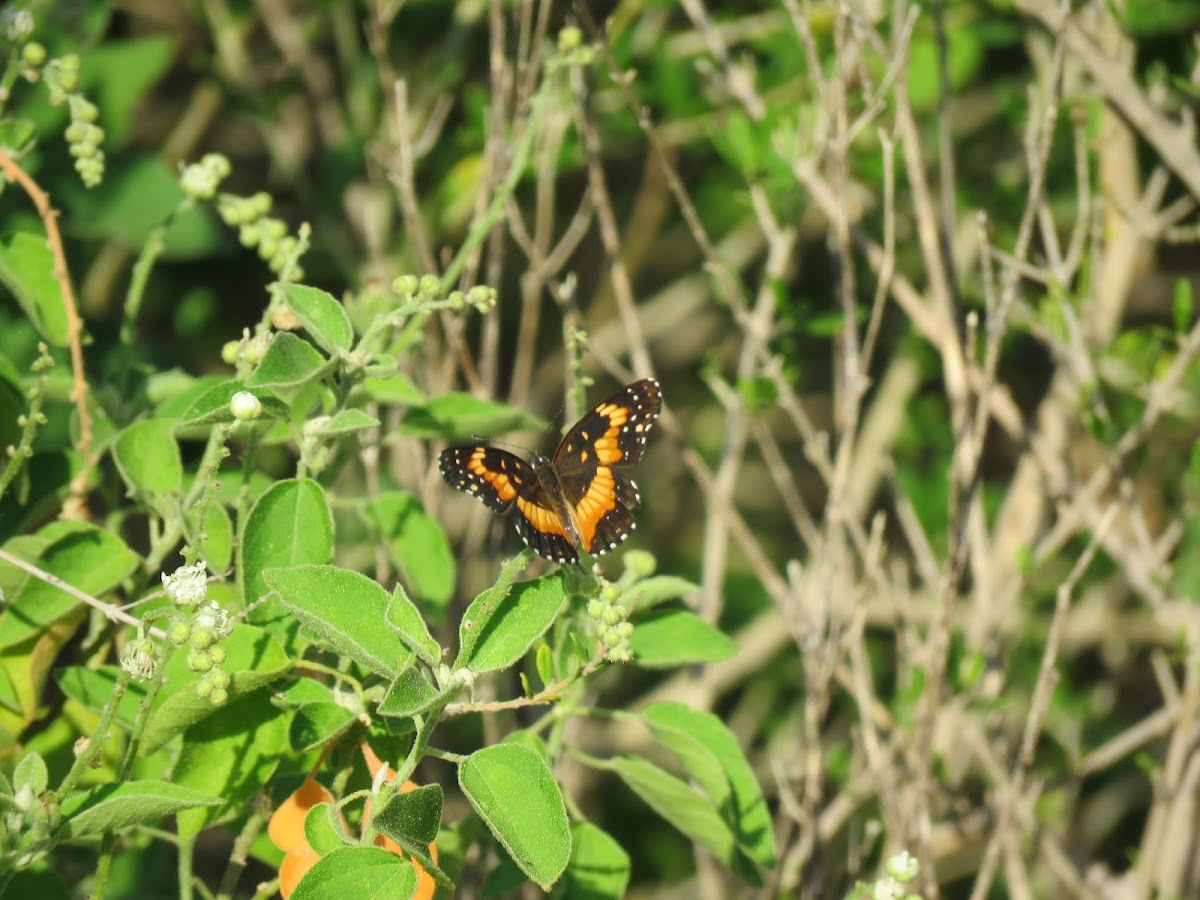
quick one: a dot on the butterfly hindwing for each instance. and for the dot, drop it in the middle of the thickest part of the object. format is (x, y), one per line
(541, 528)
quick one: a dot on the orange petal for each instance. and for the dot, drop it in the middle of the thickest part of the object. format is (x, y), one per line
(298, 860)
(286, 828)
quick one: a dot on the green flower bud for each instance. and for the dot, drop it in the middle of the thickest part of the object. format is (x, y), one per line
(203, 638)
(640, 563)
(569, 39)
(405, 284)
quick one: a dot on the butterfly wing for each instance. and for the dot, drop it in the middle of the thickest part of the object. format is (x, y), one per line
(502, 480)
(590, 459)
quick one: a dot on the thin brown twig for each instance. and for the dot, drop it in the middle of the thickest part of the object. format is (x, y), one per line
(75, 506)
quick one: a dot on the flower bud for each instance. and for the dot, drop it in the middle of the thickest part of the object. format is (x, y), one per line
(244, 406)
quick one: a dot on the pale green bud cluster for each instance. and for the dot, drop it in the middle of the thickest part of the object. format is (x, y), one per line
(613, 628)
(200, 180)
(257, 229)
(201, 632)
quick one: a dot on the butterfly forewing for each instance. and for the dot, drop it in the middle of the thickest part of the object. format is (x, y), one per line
(494, 476)
(614, 432)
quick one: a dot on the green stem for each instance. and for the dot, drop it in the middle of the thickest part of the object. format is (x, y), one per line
(183, 871)
(108, 840)
(84, 760)
(496, 209)
(241, 850)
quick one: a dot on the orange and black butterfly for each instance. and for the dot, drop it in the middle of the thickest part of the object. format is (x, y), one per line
(582, 496)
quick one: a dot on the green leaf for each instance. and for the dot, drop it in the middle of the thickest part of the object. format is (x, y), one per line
(148, 457)
(31, 774)
(9, 699)
(495, 635)
(364, 872)
(289, 361)
(691, 749)
(172, 391)
(515, 794)
(27, 270)
(412, 818)
(290, 524)
(348, 421)
(217, 546)
(678, 638)
(347, 610)
(253, 659)
(413, 823)
(599, 868)
(316, 724)
(682, 728)
(464, 415)
(232, 754)
(418, 546)
(321, 828)
(302, 690)
(118, 74)
(411, 693)
(16, 135)
(405, 619)
(94, 688)
(684, 808)
(652, 591)
(110, 807)
(211, 407)
(134, 200)
(322, 316)
(395, 389)
(88, 558)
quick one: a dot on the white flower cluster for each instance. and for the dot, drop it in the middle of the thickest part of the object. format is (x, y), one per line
(187, 585)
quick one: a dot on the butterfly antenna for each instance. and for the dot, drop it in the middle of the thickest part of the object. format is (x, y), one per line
(496, 443)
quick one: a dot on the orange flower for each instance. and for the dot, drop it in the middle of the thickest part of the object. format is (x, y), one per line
(286, 830)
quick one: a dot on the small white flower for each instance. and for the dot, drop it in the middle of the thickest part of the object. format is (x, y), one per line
(187, 585)
(903, 867)
(17, 24)
(212, 616)
(140, 659)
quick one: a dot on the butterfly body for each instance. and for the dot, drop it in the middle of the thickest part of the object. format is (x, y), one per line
(580, 496)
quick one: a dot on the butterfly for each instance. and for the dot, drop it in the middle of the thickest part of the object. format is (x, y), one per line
(580, 496)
